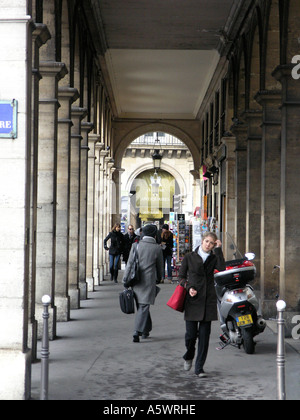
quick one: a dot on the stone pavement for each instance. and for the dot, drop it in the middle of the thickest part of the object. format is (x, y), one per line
(94, 358)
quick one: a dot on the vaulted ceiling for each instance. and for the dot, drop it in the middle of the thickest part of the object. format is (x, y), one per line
(160, 55)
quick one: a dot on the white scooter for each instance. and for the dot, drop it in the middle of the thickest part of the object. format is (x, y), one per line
(237, 304)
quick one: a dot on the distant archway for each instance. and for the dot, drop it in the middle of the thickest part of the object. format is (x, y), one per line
(122, 139)
(145, 167)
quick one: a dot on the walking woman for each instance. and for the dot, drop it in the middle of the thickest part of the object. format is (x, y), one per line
(201, 301)
(166, 241)
(115, 250)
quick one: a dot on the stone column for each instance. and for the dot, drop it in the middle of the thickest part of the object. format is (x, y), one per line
(51, 73)
(92, 140)
(270, 199)
(290, 197)
(110, 193)
(253, 199)
(102, 225)
(16, 65)
(67, 96)
(196, 194)
(117, 191)
(96, 257)
(106, 216)
(230, 200)
(241, 132)
(40, 36)
(86, 127)
(76, 290)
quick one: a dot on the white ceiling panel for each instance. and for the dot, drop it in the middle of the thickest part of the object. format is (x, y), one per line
(159, 83)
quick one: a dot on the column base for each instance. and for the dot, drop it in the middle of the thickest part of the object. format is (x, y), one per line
(268, 308)
(96, 277)
(90, 284)
(74, 294)
(63, 308)
(101, 273)
(83, 290)
(32, 339)
(15, 368)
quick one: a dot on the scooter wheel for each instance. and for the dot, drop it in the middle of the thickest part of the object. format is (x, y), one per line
(248, 342)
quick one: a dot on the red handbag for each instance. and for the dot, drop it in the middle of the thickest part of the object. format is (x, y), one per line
(177, 299)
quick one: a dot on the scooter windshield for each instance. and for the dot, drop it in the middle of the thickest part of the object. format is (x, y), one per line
(230, 249)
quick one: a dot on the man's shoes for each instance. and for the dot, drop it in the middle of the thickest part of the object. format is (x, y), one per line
(136, 338)
(202, 374)
(145, 335)
(187, 365)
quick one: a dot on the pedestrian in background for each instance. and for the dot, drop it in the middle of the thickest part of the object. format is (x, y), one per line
(129, 238)
(166, 241)
(138, 233)
(115, 250)
(197, 269)
(150, 272)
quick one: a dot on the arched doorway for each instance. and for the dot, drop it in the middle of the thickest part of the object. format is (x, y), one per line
(173, 182)
(152, 197)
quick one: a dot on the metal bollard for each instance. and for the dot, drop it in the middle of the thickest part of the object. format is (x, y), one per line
(46, 300)
(281, 395)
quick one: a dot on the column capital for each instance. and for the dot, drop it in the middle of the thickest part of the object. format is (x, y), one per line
(93, 138)
(54, 69)
(67, 92)
(40, 34)
(230, 145)
(283, 71)
(195, 173)
(253, 118)
(264, 96)
(78, 112)
(271, 101)
(99, 146)
(108, 160)
(103, 153)
(240, 130)
(228, 141)
(87, 126)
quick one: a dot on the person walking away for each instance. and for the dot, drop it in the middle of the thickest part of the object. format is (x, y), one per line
(166, 241)
(150, 272)
(129, 238)
(201, 302)
(115, 250)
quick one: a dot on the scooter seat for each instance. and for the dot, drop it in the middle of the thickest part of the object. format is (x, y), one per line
(235, 263)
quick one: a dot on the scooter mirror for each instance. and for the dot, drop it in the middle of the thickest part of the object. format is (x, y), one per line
(250, 256)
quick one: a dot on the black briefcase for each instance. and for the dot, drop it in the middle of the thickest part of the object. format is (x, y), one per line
(127, 301)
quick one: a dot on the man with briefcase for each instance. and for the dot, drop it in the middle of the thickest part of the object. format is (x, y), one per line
(151, 268)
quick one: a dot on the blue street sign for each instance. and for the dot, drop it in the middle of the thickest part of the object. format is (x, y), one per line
(8, 119)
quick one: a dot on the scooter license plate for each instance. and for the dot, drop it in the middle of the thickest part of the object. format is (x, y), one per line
(244, 320)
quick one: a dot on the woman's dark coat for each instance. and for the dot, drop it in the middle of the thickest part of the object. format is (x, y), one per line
(116, 242)
(128, 241)
(168, 239)
(202, 307)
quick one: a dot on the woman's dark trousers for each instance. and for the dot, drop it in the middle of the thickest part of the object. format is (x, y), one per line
(192, 330)
(114, 266)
